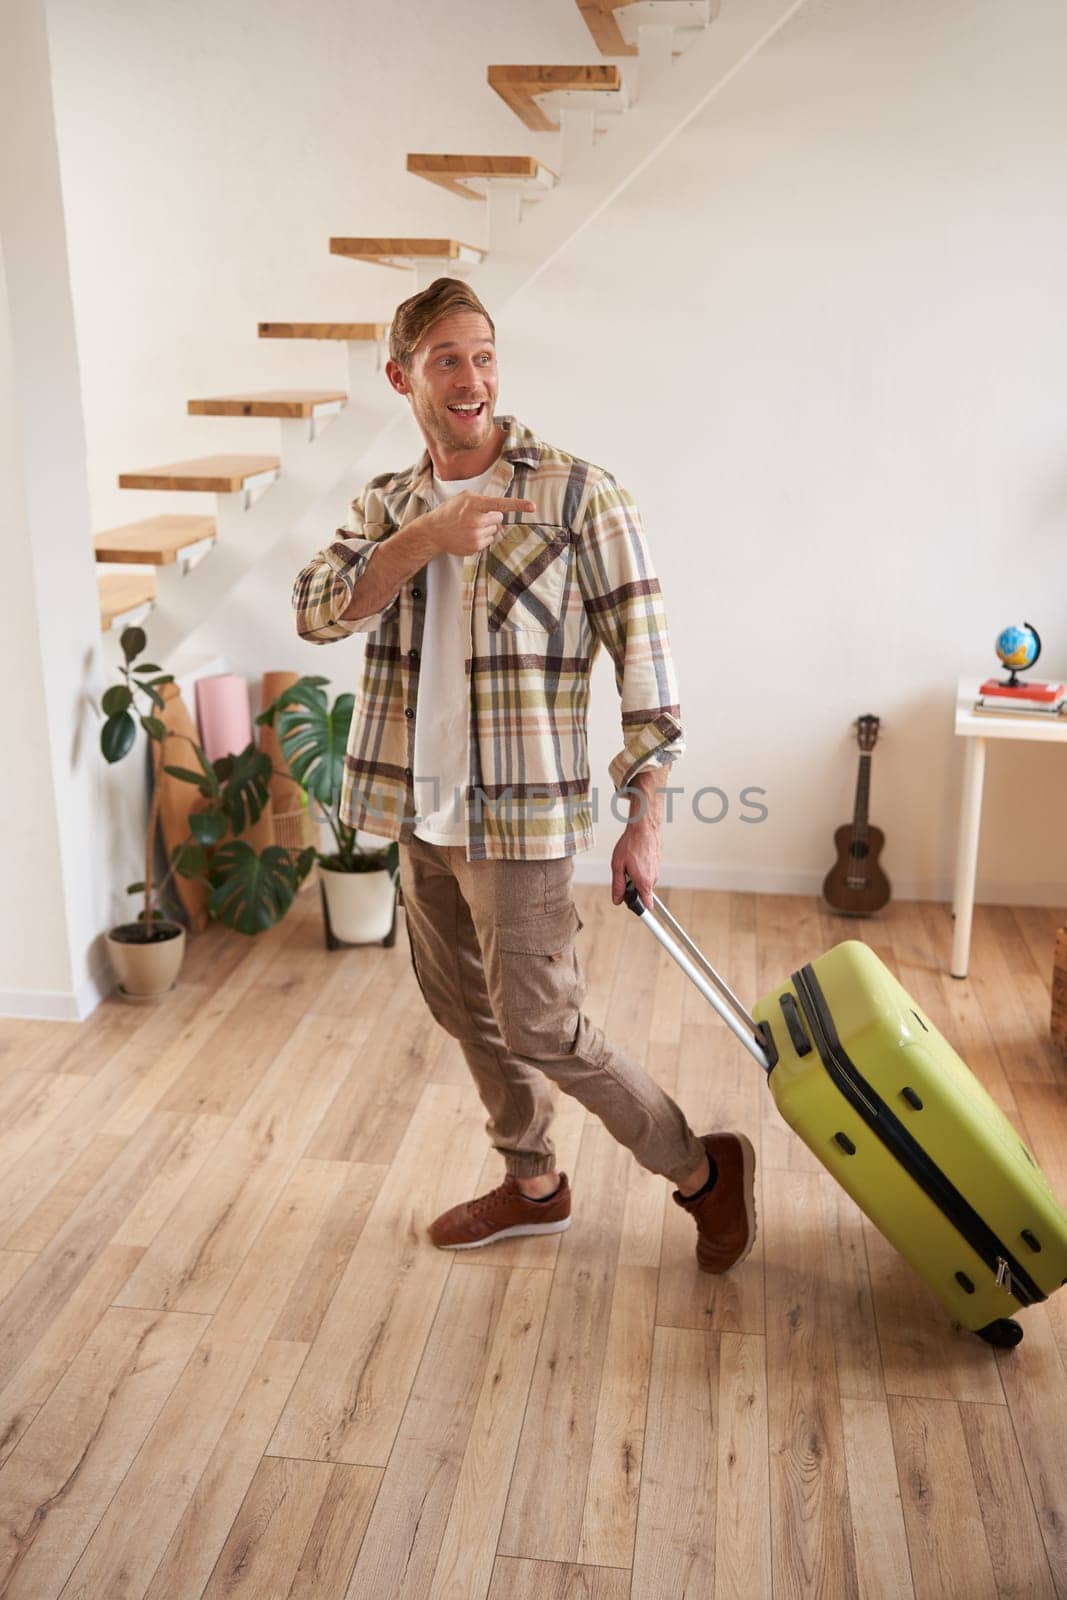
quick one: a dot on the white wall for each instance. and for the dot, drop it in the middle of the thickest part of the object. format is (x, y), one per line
(58, 813)
(820, 337)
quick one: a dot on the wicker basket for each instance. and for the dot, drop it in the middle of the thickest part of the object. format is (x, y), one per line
(294, 831)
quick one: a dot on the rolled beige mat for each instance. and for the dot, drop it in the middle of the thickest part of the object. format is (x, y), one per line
(177, 799)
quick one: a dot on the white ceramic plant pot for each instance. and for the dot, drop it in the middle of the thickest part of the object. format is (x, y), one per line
(146, 972)
(361, 904)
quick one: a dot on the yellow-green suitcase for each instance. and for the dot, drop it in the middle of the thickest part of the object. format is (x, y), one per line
(883, 1100)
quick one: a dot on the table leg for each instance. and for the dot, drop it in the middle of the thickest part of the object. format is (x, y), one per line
(967, 854)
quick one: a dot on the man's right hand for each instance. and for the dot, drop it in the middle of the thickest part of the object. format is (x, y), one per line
(468, 522)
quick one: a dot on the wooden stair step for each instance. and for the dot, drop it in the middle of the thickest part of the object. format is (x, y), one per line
(155, 541)
(208, 474)
(599, 18)
(404, 252)
(269, 403)
(517, 86)
(457, 173)
(351, 332)
(603, 18)
(122, 591)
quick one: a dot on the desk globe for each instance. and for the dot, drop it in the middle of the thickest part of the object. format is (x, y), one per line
(1018, 648)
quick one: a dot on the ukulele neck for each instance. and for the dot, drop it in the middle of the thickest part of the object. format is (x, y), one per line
(863, 791)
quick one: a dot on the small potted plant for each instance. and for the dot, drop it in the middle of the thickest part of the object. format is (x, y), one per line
(358, 884)
(248, 890)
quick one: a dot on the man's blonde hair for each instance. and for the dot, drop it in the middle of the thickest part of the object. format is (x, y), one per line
(412, 318)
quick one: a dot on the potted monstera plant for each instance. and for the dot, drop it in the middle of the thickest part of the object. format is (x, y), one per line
(359, 884)
(249, 890)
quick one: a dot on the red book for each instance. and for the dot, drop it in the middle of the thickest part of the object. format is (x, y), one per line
(1034, 690)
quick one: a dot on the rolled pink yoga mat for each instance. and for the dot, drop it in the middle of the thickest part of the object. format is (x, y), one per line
(224, 714)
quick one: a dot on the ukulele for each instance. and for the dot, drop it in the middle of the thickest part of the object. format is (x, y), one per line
(856, 885)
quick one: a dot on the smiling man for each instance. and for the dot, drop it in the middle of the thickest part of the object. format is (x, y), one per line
(487, 576)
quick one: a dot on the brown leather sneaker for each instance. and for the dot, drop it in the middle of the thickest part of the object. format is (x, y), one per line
(503, 1213)
(726, 1215)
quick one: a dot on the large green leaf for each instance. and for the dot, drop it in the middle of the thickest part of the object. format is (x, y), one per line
(117, 736)
(267, 716)
(116, 700)
(246, 786)
(207, 827)
(190, 859)
(206, 767)
(314, 738)
(133, 641)
(250, 892)
(211, 789)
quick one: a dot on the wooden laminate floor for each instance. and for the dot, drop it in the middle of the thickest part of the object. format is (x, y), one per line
(231, 1363)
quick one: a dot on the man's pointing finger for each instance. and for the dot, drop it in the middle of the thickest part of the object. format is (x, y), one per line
(488, 503)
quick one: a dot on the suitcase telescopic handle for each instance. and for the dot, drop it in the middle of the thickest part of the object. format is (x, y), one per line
(696, 966)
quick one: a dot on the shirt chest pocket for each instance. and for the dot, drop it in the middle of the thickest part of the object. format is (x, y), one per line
(526, 571)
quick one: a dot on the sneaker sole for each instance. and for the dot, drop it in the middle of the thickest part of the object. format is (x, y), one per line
(748, 1177)
(511, 1233)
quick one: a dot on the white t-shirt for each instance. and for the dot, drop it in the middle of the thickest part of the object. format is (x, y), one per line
(441, 731)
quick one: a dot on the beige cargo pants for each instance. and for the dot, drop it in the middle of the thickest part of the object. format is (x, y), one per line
(492, 944)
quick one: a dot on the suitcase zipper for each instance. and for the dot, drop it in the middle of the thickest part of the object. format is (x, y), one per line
(900, 1144)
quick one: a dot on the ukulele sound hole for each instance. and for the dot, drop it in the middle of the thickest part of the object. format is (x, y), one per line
(859, 851)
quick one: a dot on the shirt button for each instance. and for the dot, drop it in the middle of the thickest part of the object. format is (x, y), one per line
(413, 655)
(416, 594)
(408, 712)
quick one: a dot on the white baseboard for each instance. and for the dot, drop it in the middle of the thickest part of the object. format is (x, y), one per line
(58, 1005)
(766, 880)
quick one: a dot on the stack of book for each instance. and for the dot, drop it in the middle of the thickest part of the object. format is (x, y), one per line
(1022, 700)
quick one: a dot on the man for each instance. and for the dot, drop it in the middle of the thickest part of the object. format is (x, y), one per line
(487, 577)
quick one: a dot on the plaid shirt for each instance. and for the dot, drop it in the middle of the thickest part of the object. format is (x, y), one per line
(538, 604)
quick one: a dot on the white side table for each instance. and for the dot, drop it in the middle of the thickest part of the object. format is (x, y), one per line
(977, 729)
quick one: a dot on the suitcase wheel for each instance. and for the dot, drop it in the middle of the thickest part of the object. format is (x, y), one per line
(1004, 1333)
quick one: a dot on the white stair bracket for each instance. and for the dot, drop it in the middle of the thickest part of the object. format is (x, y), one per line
(191, 555)
(253, 568)
(230, 509)
(251, 489)
(364, 360)
(576, 129)
(505, 215)
(300, 431)
(685, 18)
(427, 268)
(130, 619)
(655, 53)
(507, 201)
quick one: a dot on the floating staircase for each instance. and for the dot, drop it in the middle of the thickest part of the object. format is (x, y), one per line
(508, 183)
(125, 598)
(535, 93)
(207, 475)
(431, 258)
(155, 541)
(600, 19)
(357, 337)
(617, 25)
(285, 403)
(350, 332)
(605, 121)
(474, 177)
(302, 413)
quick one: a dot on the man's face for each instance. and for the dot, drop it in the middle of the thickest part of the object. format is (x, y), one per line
(452, 382)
